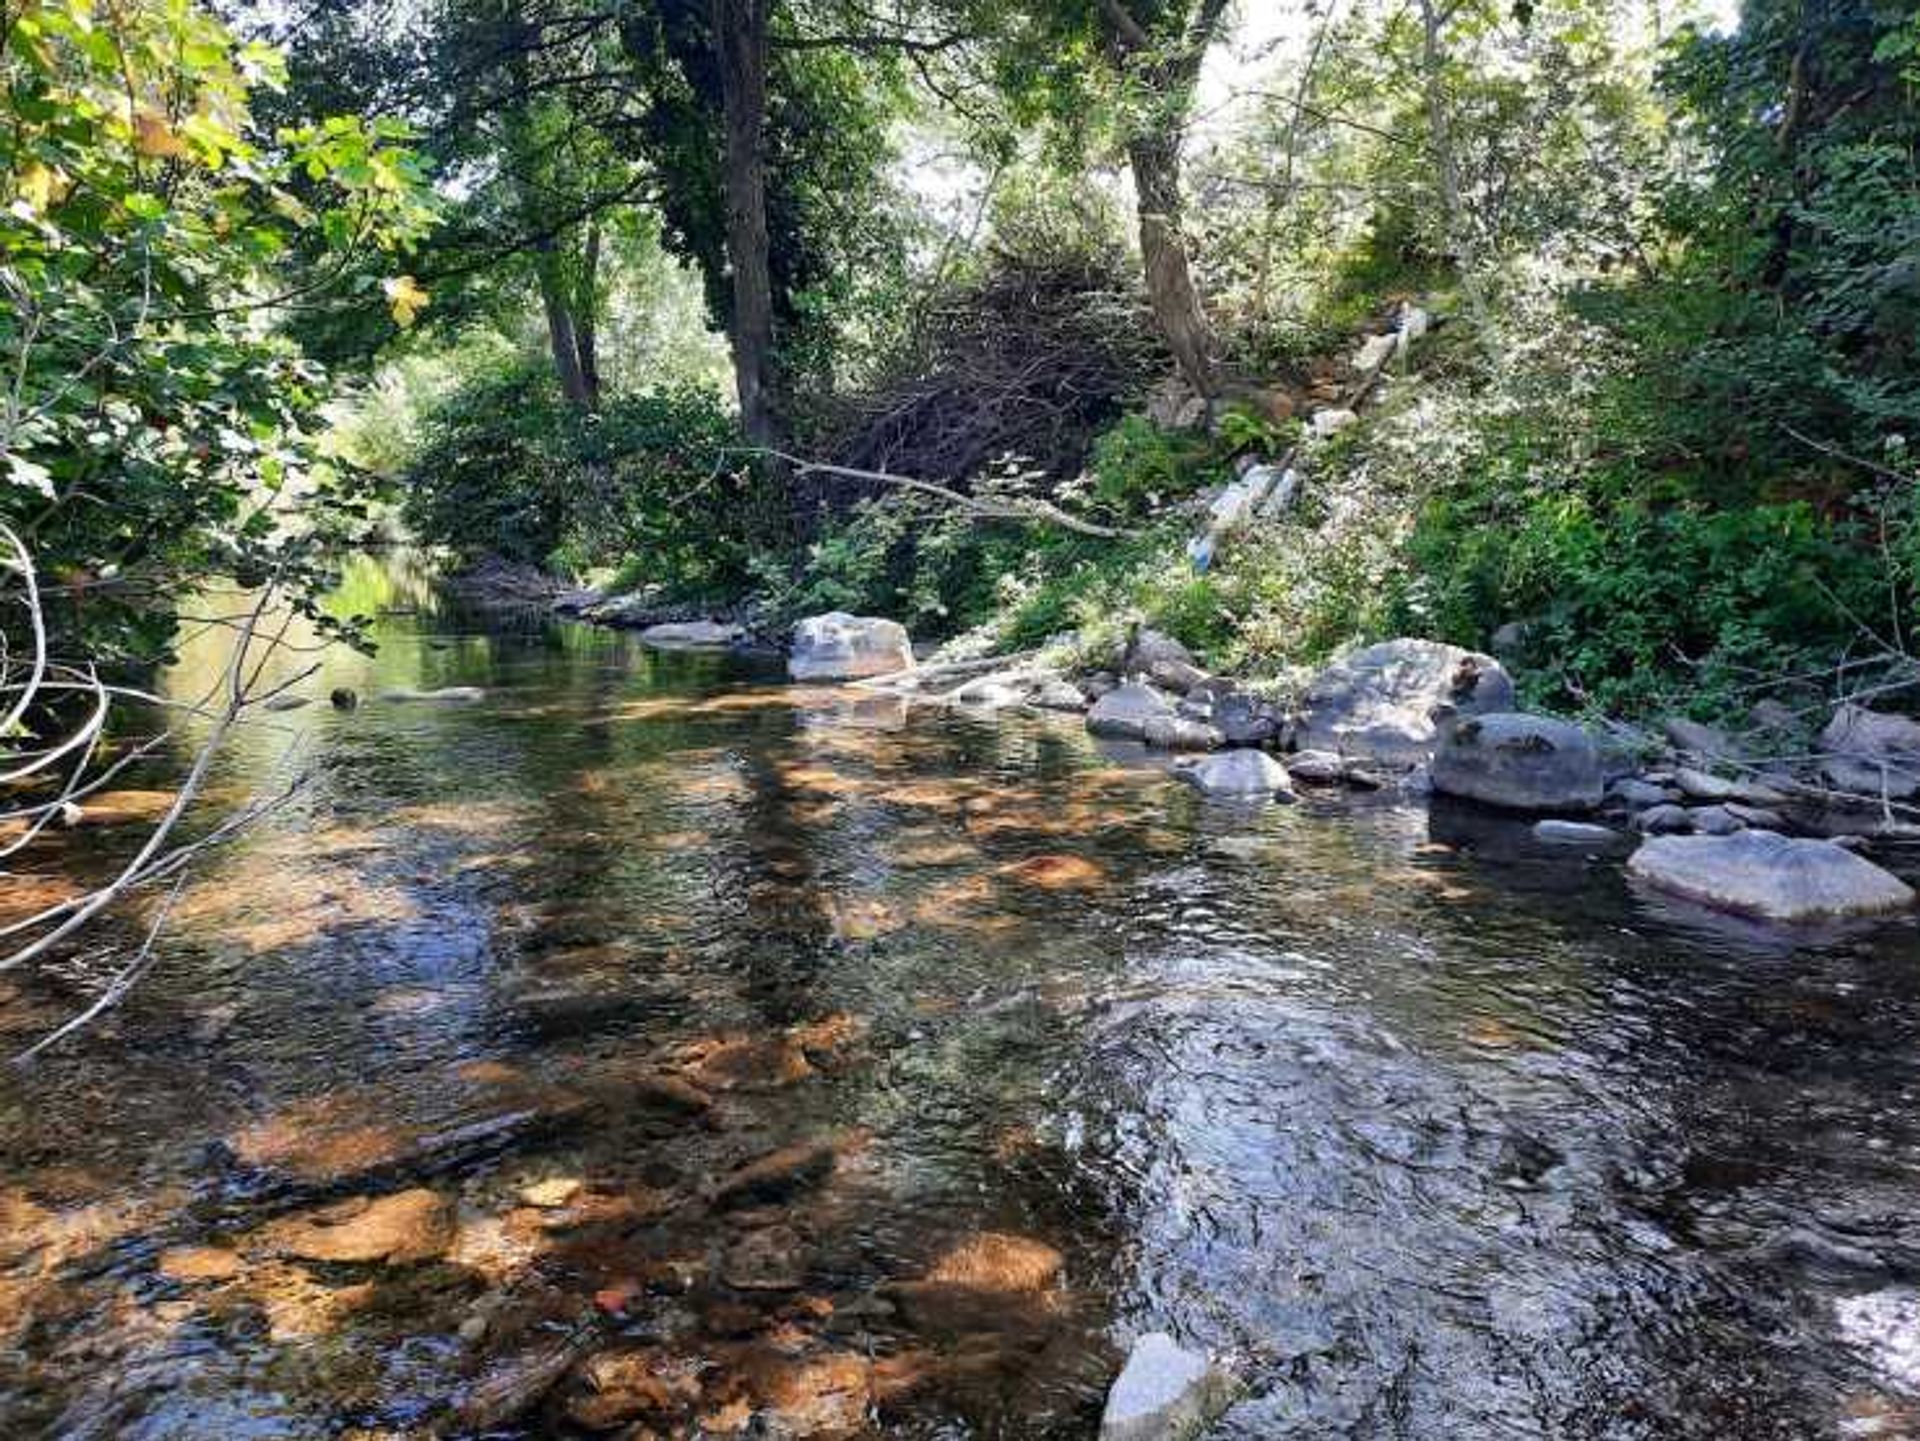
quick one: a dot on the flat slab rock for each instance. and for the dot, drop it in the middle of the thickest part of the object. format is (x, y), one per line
(690, 635)
(1764, 874)
(1165, 1393)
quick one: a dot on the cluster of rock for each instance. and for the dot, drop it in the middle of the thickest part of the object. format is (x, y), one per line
(1710, 824)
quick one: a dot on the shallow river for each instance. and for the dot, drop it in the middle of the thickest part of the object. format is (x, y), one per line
(436, 1115)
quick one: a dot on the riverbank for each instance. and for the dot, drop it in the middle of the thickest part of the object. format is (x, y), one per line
(1775, 822)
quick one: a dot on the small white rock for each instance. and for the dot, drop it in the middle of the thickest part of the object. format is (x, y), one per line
(1165, 1393)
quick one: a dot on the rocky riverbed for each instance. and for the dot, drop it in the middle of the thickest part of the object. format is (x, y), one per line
(648, 1043)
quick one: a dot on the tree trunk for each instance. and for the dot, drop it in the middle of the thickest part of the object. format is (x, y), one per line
(586, 312)
(1176, 302)
(740, 32)
(1446, 164)
(562, 337)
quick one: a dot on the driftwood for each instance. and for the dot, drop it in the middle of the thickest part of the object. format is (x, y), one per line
(1033, 510)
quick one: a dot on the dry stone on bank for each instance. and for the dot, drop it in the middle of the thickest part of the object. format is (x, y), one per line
(1386, 703)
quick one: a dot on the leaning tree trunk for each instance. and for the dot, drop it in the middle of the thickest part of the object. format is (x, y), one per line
(740, 30)
(1176, 303)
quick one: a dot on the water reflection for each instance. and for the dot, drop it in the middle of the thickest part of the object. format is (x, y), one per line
(653, 1044)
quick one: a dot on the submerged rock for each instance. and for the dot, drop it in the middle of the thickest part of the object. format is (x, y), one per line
(1247, 773)
(1574, 833)
(1165, 1393)
(1125, 711)
(1761, 873)
(1520, 762)
(838, 646)
(199, 1263)
(415, 1225)
(1385, 703)
(446, 695)
(777, 1175)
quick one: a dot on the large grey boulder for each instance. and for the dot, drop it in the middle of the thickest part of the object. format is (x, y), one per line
(1520, 762)
(1386, 703)
(1247, 773)
(1165, 1393)
(838, 646)
(1245, 720)
(1872, 752)
(1762, 873)
(691, 635)
(1162, 660)
(1125, 711)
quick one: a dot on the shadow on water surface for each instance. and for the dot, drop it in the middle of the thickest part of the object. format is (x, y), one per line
(654, 1046)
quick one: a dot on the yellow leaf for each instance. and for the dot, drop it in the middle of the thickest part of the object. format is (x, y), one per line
(154, 137)
(404, 298)
(42, 187)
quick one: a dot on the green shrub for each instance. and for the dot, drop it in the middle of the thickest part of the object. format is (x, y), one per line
(651, 485)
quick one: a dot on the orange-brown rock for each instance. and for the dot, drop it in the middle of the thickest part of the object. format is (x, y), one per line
(748, 1064)
(994, 1261)
(777, 1175)
(1056, 872)
(415, 1225)
(198, 1263)
(626, 1386)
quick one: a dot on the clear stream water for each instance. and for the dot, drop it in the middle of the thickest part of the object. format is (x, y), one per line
(1442, 1135)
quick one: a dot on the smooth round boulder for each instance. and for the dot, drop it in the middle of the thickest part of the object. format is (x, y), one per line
(1387, 703)
(1520, 763)
(838, 646)
(1239, 773)
(1125, 711)
(1765, 874)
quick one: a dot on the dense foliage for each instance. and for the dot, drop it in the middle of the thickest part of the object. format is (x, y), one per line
(1660, 442)
(156, 430)
(653, 482)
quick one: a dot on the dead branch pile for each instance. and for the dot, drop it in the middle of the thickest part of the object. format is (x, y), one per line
(1029, 364)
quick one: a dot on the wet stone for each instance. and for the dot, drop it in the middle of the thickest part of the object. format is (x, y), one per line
(415, 1225)
(777, 1175)
(199, 1263)
(773, 1259)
